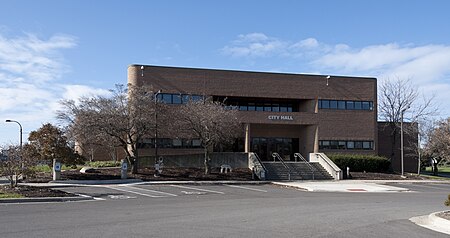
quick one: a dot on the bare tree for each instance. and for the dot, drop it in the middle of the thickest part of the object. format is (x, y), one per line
(15, 164)
(399, 96)
(210, 122)
(438, 143)
(122, 119)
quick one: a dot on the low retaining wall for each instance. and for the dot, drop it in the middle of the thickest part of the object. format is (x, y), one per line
(234, 159)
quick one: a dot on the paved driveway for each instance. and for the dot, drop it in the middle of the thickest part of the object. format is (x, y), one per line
(226, 211)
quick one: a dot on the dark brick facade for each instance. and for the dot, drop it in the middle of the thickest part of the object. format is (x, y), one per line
(389, 145)
(309, 124)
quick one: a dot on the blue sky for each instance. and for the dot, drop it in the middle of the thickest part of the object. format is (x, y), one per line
(53, 49)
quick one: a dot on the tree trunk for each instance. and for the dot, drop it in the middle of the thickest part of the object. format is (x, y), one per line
(134, 166)
(207, 165)
(435, 169)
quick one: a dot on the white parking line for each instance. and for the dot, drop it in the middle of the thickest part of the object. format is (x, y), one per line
(138, 193)
(198, 189)
(252, 189)
(153, 191)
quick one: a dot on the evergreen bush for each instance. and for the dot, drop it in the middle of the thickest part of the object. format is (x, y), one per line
(361, 163)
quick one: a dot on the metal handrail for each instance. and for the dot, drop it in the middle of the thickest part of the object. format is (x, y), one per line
(298, 155)
(276, 155)
(260, 162)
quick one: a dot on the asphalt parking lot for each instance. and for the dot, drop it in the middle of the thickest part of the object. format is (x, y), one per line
(155, 191)
(150, 191)
(187, 210)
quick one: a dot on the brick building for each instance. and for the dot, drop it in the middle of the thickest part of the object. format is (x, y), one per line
(284, 113)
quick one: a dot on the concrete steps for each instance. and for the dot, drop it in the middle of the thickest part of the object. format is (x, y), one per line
(298, 171)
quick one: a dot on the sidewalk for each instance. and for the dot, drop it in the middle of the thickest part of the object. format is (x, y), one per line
(433, 222)
(373, 186)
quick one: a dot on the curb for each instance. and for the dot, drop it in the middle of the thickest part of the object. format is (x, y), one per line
(93, 182)
(44, 199)
(206, 182)
(433, 222)
(440, 222)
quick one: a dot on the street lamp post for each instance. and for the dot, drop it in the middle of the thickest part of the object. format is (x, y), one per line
(401, 140)
(20, 130)
(156, 124)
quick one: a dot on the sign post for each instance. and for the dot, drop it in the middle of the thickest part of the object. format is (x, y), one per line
(123, 169)
(56, 170)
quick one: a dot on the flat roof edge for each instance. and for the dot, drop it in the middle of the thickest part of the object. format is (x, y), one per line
(250, 71)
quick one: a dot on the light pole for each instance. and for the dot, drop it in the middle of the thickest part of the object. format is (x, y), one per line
(401, 139)
(156, 124)
(20, 130)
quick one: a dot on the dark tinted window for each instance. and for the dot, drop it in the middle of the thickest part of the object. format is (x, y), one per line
(196, 98)
(350, 105)
(167, 98)
(333, 104)
(185, 98)
(275, 108)
(325, 104)
(366, 106)
(176, 99)
(251, 107)
(341, 105)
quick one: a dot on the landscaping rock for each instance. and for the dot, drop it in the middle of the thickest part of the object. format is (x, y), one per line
(88, 170)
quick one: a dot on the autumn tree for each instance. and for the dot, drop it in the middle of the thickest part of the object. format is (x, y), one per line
(209, 121)
(48, 143)
(400, 98)
(121, 119)
(438, 143)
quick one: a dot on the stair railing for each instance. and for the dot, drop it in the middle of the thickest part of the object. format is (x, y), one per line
(299, 156)
(261, 165)
(260, 162)
(277, 156)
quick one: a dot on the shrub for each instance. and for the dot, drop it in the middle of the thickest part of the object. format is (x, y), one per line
(360, 163)
(99, 164)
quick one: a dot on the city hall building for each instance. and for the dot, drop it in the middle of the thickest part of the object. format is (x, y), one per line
(281, 112)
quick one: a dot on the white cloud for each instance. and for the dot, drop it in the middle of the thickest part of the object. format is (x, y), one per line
(74, 92)
(254, 44)
(35, 59)
(428, 66)
(30, 68)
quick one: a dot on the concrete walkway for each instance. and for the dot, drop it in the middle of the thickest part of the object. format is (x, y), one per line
(342, 187)
(374, 186)
(433, 222)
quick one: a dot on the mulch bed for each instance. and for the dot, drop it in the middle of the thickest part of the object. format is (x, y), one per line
(445, 215)
(168, 174)
(28, 191)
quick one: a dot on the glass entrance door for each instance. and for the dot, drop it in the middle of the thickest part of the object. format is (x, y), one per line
(285, 147)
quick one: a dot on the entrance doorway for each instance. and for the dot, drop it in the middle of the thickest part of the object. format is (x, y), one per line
(265, 146)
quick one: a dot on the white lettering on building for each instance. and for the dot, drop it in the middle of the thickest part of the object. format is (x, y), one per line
(281, 118)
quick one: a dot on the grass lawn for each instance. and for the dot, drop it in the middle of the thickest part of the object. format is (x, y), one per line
(9, 195)
(441, 169)
(434, 177)
(444, 169)
(48, 169)
(443, 172)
